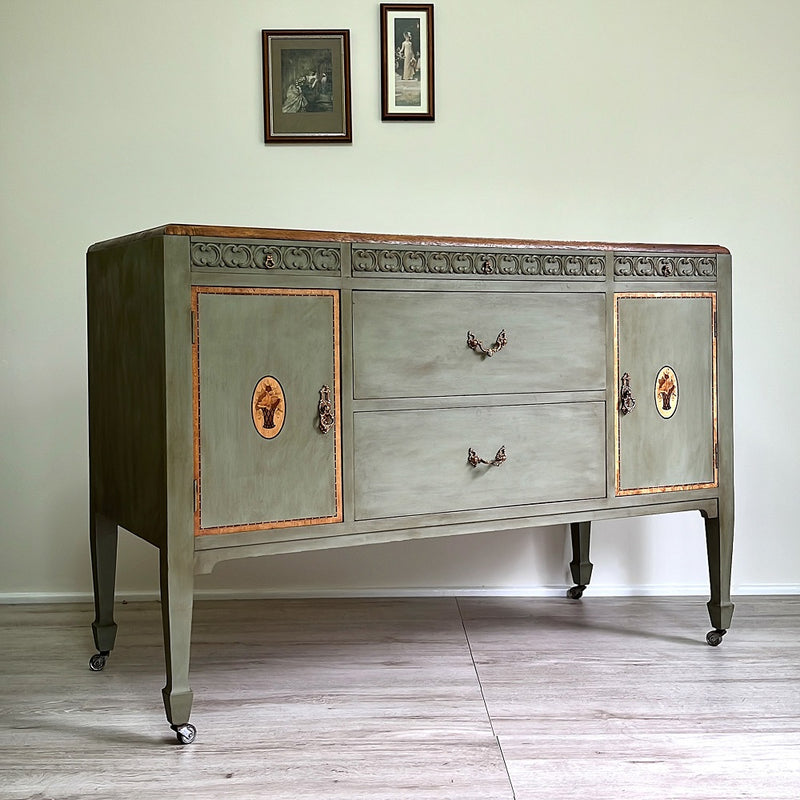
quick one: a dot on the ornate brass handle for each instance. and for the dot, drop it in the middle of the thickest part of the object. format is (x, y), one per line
(478, 347)
(473, 459)
(626, 399)
(326, 418)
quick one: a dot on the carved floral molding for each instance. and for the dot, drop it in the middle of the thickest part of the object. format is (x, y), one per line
(439, 262)
(268, 257)
(665, 267)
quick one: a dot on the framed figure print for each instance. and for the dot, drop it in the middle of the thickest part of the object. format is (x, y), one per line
(306, 86)
(407, 61)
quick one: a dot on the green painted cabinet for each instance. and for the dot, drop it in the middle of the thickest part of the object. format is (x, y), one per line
(259, 391)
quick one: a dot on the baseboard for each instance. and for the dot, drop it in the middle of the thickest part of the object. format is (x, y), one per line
(660, 590)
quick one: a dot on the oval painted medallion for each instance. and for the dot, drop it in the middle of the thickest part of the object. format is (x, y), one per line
(268, 407)
(666, 392)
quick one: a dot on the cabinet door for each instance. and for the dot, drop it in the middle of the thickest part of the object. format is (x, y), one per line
(666, 391)
(267, 400)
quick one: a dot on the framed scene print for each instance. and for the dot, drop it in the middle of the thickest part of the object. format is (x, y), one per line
(407, 61)
(306, 86)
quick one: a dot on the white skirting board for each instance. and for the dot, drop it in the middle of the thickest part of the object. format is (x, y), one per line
(661, 590)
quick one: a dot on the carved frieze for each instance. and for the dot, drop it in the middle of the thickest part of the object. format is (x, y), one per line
(678, 267)
(229, 255)
(434, 263)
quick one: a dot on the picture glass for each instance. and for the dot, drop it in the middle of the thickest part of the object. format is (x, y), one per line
(307, 81)
(407, 90)
(306, 86)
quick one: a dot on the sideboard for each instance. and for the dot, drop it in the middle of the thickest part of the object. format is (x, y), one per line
(263, 391)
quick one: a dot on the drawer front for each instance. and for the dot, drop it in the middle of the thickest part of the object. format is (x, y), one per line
(414, 344)
(416, 462)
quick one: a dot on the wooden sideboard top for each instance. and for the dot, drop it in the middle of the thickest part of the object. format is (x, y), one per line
(232, 232)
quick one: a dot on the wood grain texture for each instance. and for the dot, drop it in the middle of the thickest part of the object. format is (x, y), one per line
(126, 369)
(234, 232)
(433, 698)
(612, 698)
(341, 699)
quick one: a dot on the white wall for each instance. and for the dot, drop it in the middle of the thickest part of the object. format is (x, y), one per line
(663, 120)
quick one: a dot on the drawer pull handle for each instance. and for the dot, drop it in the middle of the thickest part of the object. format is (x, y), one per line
(626, 399)
(478, 347)
(473, 459)
(326, 418)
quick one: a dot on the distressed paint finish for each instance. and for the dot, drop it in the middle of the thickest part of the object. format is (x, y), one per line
(415, 462)
(185, 321)
(676, 452)
(140, 446)
(127, 389)
(246, 480)
(414, 344)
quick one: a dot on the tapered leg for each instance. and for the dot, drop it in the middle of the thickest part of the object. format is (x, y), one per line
(103, 536)
(580, 566)
(176, 611)
(719, 542)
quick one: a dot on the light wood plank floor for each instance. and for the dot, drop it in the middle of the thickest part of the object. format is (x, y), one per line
(430, 698)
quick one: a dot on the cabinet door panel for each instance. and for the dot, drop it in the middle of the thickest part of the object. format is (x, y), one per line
(415, 462)
(666, 346)
(414, 344)
(261, 358)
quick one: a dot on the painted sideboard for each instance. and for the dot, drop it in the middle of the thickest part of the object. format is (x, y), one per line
(261, 391)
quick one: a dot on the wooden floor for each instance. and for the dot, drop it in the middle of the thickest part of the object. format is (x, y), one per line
(432, 698)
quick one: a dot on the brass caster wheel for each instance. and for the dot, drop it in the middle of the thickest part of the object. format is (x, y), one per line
(575, 592)
(185, 733)
(714, 638)
(98, 661)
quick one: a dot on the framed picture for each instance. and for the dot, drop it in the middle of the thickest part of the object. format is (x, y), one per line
(407, 61)
(306, 86)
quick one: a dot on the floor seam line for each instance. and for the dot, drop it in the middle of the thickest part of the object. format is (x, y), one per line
(483, 698)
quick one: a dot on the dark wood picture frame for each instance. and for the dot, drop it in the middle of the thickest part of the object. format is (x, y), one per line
(407, 62)
(306, 86)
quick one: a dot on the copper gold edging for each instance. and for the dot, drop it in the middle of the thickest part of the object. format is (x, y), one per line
(273, 524)
(687, 487)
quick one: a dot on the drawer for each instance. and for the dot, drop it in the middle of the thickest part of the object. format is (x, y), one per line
(414, 344)
(415, 462)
